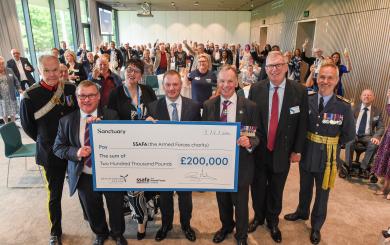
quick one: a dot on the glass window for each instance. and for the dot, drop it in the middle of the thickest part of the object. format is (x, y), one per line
(19, 9)
(84, 11)
(64, 24)
(87, 36)
(41, 26)
(114, 37)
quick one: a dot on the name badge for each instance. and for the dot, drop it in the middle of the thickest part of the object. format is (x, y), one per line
(10, 74)
(249, 131)
(76, 70)
(197, 78)
(375, 118)
(294, 110)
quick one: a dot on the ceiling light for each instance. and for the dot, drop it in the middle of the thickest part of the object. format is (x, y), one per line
(252, 4)
(196, 3)
(173, 4)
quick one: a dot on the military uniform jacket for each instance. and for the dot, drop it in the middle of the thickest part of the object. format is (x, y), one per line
(44, 129)
(336, 119)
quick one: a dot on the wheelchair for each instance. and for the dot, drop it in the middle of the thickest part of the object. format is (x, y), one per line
(354, 170)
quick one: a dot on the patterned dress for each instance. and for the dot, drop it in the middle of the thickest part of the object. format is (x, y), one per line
(382, 160)
(8, 106)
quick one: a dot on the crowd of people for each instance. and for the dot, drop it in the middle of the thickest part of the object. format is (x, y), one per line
(299, 118)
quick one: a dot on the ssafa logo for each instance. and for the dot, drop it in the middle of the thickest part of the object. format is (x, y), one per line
(143, 180)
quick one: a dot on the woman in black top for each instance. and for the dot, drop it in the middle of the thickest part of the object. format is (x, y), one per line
(76, 70)
(130, 101)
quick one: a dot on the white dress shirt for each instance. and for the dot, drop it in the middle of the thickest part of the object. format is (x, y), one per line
(19, 64)
(83, 122)
(178, 102)
(281, 89)
(231, 109)
(367, 130)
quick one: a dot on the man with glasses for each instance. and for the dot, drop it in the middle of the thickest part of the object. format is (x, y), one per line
(282, 128)
(43, 105)
(22, 68)
(105, 78)
(72, 144)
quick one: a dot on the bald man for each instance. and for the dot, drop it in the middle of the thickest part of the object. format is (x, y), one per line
(22, 69)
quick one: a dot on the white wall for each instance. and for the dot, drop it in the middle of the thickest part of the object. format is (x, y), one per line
(172, 26)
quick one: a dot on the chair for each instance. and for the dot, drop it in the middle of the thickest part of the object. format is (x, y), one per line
(152, 81)
(14, 148)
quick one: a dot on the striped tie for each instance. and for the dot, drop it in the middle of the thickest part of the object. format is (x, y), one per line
(87, 160)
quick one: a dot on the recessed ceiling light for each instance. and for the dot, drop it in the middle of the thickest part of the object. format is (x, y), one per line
(196, 3)
(173, 4)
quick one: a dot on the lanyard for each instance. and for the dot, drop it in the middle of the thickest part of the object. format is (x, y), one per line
(127, 92)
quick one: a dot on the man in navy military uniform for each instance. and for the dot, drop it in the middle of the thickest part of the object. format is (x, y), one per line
(331, 122)
(43, 105)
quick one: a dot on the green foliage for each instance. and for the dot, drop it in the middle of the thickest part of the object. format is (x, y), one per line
(41, 28)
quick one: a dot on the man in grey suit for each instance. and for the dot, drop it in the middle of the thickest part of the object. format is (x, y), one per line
(369, 130)
(231, 108)
(282, 127)
(72, 144)
(174, 107)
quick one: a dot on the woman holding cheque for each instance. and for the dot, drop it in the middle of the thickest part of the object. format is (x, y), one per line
(130, 101)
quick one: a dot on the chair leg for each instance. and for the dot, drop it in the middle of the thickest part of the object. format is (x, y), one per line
(9, 161)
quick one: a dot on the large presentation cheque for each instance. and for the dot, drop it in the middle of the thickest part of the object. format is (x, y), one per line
(160, 156)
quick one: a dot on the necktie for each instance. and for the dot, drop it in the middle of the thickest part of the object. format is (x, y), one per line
(175, 115)
(363, 123)
(321, 105)
(225, 105)
(273, 122)
(87, 160)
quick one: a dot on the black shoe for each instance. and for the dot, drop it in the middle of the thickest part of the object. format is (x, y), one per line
(294, 217)
(221, 234)
(254, 224)
(121, 240)
(385, 234)
(242, 242)
(162, 233)
(55, 240)
(373, 179)
(364, 174)
(315, 236)
(189, 233)
(140, 235)
(99, 240)
(275, 233)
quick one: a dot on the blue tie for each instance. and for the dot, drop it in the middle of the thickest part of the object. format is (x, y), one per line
(175, 115)
(363, 123)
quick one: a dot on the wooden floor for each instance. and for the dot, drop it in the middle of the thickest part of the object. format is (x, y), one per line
(355, 214)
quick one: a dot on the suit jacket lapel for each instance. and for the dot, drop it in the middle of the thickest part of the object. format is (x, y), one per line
(217, 109)
(240, 109)
(331, 103)
(285, 108)
(184, 114)
(265, 112)
(75, 123)
(162, 108)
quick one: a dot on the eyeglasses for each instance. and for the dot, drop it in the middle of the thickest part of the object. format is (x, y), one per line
(135, 70)
(89, 96)
(277, 66)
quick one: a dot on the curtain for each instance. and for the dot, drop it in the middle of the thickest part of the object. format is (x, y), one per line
(10, 35)
(95, 33)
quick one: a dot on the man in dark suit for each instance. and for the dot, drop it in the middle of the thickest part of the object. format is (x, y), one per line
(230, 108)
(72, 144)
(369, 131)
(282, 128)
(22, 69)
(331, 123)
(174, 107)
(42, 106)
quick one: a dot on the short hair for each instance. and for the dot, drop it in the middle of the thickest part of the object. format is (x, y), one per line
(204, 56)
(273, 54)
(44, 57)
(87, 83)
(330, 65)
(228, 67)
(172, 73)
(137, 63)
(70, 52)
(55, 49)
(63, 66)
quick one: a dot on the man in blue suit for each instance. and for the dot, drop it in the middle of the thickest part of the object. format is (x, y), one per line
(72, 144)
(174, 107)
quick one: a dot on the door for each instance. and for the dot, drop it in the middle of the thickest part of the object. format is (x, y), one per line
(263, 36)
(306, 30)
